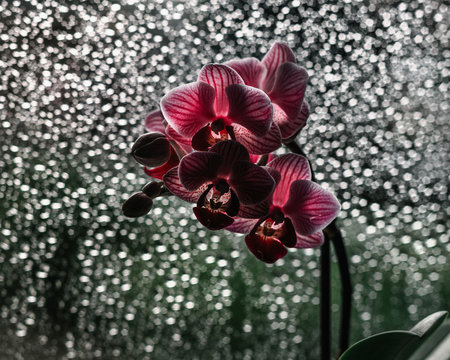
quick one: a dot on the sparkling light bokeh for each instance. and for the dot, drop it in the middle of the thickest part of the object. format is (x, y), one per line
(79, 280)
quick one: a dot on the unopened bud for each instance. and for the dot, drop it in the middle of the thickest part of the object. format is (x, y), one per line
(151, 149)
(152, 189)
(137, 205)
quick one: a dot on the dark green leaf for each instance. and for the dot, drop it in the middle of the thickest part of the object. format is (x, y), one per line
(395, 345)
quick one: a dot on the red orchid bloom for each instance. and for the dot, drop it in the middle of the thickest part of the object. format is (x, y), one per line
(283, 81)
(219, 106)
(161, 148)
(299, 210)
(219, 180)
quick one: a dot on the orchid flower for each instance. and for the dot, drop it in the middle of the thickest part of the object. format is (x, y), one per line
(218, 107)
(299, 210)
(283, 81)
(219, 180)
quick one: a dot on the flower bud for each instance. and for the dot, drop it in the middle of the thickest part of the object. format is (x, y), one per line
(152, 189)
(151, 149)
(137, 205)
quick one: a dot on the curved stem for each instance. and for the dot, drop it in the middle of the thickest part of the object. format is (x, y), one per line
(332, 234)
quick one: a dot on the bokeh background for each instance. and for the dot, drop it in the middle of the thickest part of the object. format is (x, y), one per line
(78, 280)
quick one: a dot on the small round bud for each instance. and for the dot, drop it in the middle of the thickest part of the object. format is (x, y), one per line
(151, 149)
(137, 205)
(152, 189)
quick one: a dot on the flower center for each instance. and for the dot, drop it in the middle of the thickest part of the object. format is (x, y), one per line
(218, 197)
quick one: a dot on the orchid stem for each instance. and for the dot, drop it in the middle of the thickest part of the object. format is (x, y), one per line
(325, 300)
(332, 234)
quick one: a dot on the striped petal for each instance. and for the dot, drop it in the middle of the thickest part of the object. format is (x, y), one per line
(250, 108)
(250, 69)
(188, 108)
(219, 77)
(230, 151)
(289, 128)
(242, 226)
(251, 182)
(258, 145)
(310, 241)
(289, 88)
(174, 185)
(278, 54)
(310, 207)
(291, 167)
(198, 168)
(154, 122)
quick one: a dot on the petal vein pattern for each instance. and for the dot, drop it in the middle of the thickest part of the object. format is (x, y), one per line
(188, 108)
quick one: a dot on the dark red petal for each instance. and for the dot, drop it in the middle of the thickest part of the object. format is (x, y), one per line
(219, 77)
(265, 249)
(250, 69)
(202, 139)
(250, 108)
(310, 241)
(277, 55)
(234, 207)
(155, 122)
(289, 237)
(254, 211)
(291, 127)
(159, 172)
(251, 182)
(242, 226)
(137, 205)
(258, 145)
(212, 220)
(310, 207)
(173, 184)
(198, 168)
(289, 88)
(291, 167)
(188, 108)
(231, 151)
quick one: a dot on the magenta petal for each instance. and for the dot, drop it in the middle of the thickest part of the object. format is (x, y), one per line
(258, 145)
(231, 151)
(250, 108)
(212, 220)
(251, 182)
(289, 88)
(154, 122)
(219, 77)
(250, 69)
(278, 54)
(290, 127)
(198, 168)
(188, 108)
(183, 141)
(265, 249)
(310, 207)
(310, 241)
(242, 226)
(291, 167)
(173, 184)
